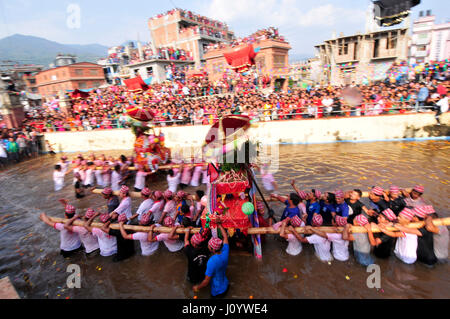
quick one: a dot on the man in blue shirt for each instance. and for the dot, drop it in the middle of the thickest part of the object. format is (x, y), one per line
(423, 94)
(291, 203)
(341, 207)
(217, 266)
(312, 207)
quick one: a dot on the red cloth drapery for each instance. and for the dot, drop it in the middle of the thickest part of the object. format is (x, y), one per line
(233, 218)
(77, 94)
(136, 84)
(242, 59)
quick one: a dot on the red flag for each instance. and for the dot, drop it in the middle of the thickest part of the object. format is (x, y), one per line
(212, 173)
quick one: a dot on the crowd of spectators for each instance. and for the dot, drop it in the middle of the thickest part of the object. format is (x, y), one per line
(167, 53)
(187, 100)
(194, 17)
(199, 101)
(212, 32)
(260, 35)
(17, 145)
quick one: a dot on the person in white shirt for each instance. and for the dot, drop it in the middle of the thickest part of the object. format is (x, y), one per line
(125, 204)
(89, 179)
(145, 206)
(173, 180)
(171, 240)
(406, 246)
(116, 178)
(58, 178)
(107, 243)
(170, 207)
(195, 180)
(3, 155)
(148, 247)
(157, 207)
(140, 179)
(70, 242)
(327, 102)
(321, 245)
(442, 107)
(98, 172)
(295, 246)
(89, 241)
(339, 245)
(205, 179)
(64, 163)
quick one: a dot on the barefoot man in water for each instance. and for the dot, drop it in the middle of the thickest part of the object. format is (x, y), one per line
(217, 266)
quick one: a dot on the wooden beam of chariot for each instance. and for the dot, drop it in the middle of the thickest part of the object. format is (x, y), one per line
(259, 230)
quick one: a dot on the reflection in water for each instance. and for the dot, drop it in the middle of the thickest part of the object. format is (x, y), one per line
(29, 253)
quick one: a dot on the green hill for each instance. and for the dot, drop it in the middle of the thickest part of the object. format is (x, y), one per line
(34, 50)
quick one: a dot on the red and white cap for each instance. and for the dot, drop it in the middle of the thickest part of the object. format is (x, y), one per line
(145, 219)
(124, 189)
(407, 213)
(361, 220)
(215, 243)
(89, 213)
(104, 217)
(429, 209)
(303, 195)
(378, 191)
(419, 189)
(296, 221)
(107, 191)
(158, 195)
(394, 189)
(420, 211)
(146, 191)
(317, 220)
(340, 221)
(70, 209)
(168, 193)
(339, 194)
(122, 218)
(168, 221)
(196, 239)
(317, 193)
(389, 214)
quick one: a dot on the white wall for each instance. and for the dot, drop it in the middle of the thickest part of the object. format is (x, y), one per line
(371, 128)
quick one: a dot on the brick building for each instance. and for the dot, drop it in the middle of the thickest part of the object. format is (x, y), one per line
(362, 57)
(82, 75)
(188, 31)
(272, 61)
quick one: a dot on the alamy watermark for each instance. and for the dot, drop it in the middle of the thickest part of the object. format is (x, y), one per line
(374, 279)
(74, 279)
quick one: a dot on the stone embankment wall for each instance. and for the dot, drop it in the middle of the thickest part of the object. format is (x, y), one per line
(353, 129)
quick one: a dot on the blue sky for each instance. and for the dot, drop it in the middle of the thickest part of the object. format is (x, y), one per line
(111, 22)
